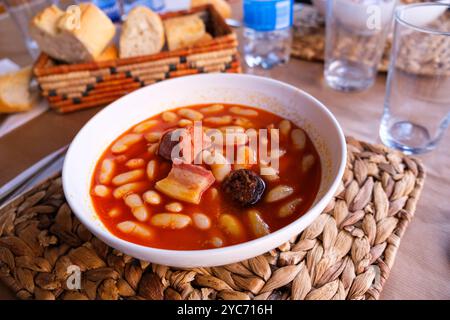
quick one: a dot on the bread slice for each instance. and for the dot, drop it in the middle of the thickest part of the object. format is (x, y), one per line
(77, 36)
(221, 6)
(14, 91)
(142, 33)
(109, 53)
(185, 31)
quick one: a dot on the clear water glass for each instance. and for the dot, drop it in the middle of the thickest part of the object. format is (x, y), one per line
(22, 11)
(355, 37)
(417, 103)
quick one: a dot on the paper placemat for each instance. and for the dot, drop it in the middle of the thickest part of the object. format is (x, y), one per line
(346, 253)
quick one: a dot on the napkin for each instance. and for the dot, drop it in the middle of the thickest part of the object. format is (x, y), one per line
(13, 121)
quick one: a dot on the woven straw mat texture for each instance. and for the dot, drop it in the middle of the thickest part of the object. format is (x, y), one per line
(346, 253)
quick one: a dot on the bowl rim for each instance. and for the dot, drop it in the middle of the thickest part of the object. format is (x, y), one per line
(118, 242)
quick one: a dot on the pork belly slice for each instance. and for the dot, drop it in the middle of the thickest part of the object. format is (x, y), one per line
(186, 182)
(194, 139)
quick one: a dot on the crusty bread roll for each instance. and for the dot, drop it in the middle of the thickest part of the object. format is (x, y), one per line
(59, 34)
(14, 91)
(142, 33)
(109, 53)
(185, 31)
(221, 6)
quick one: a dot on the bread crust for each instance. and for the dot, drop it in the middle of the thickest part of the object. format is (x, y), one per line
(142, 33)
(221, 6)
(184, 31)
(63, 41)
(14, 91)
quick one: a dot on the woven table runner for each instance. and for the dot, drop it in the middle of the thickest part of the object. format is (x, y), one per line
(346, 253)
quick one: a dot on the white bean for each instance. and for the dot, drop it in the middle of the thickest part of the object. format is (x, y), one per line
(153, 136)
(135, 163)
(133, 200)
(220, 166)
(234, 134)
(138, 209)
(137, 229)
(285, 127)
(231, 225)
(245, 158)
(216, 242)
(190, 114)
(152, 197)
(151, 169)
(144, 126)
(184, 123)
(201, 221)
(174, 207)
(279, 193)
(289, 208)
(213, 193)
(213, 108)
(125, 142)
(257, 224)
(152, 149)
(244, 112)
(307, 162)
(140, 213)
(114, 212)
(123, 190)
(219, 121)
(243, 122)
(107, 171)
(232, 129)
(121, 158)
(169, 116)
(170, 220)
(298, 138)
(127, 177)
(101, 191)
(268, 173)
(126, 226)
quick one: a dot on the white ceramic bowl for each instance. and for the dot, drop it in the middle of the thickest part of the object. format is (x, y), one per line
(277, 97)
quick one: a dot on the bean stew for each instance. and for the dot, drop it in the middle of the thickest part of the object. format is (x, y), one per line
(211, 194)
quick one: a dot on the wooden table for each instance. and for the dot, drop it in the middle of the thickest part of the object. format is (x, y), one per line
(422, 268)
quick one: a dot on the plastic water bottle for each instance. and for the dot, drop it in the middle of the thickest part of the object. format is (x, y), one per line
(110, 7)
(267, 33)
(155, 5)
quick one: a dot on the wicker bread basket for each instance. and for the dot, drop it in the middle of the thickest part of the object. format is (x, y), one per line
(71, 87)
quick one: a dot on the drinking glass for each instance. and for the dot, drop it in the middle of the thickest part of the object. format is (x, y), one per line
(22, 11)
(356, 32)
(417, 103)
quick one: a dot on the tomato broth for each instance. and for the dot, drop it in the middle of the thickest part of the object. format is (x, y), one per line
(135, 201)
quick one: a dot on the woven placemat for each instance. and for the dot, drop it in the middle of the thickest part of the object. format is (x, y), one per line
(309, 40)
(347, 253)
(420, 53)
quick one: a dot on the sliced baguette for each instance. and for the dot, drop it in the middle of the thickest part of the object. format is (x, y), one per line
(14, 91)
(142, 33)
(185, 31)
(57, 35)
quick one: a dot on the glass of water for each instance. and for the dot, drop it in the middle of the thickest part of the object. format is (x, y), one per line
(22, 11)
(417, 104)
(356, 32)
